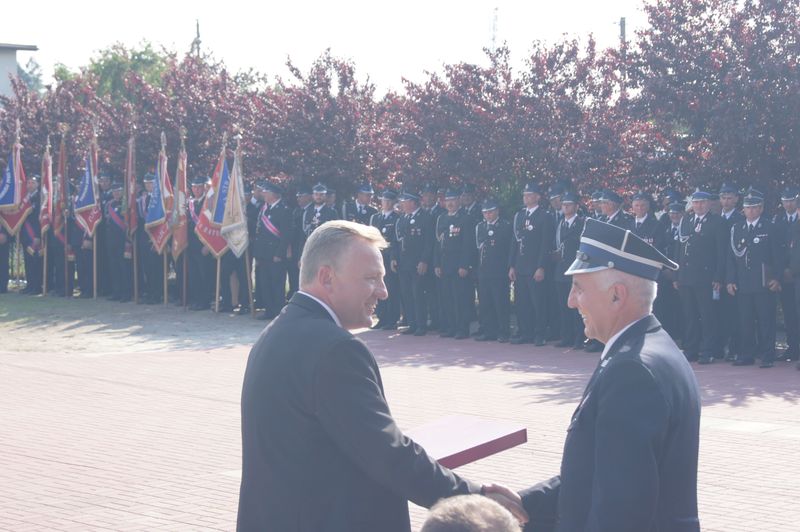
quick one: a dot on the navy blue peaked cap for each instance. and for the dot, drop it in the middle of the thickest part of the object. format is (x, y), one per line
(605, 246)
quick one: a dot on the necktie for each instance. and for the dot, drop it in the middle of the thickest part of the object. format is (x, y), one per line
(749, 228)
(638, 225)
(674, 232)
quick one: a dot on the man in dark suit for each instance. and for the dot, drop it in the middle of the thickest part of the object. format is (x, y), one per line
(31, 239)
(727, 313)
(702, 260)
(754, 267)
(360, 209)
(568, 235)
(303, 196)
(493, 237)
(413, 258)
(453, 263)
(530, 250)
(667, 306)
(630, 456)
(783, 223)
(611, 205)
(388, 310)
(318, 212)
(320, 449)
(273, 234)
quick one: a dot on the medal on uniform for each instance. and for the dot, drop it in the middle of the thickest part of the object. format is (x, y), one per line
(412, 221)
(697, 228)
(491, 233)
(756, 240)
(529, 228)
(383, 230)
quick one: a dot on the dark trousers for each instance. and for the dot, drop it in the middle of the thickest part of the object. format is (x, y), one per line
(230, 265)
(83, 258)
(436, 300)
(415, 305)
(494, 306)
(4, 274)
(119, 269)
(727, 312)
(103, 268)
(757, 313)
(698, 311)
(271, 283)
(531, 303)
(57, 254)
(202, 278)
(388, 310)
(667, 308)
(571, 322)
(33, 272)
(456, 302)
(790, 317)
(554, 319)
(293, 273)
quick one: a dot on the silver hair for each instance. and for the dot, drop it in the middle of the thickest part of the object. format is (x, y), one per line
(469, 513)
(330, 242)
(643, 291)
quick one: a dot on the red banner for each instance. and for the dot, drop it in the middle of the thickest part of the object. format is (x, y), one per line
(13, 216)
(206, 229)
(46, 208)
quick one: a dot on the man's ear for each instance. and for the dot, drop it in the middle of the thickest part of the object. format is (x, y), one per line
(619, 292)
(325, 276)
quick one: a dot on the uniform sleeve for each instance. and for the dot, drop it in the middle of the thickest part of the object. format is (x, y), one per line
(286, 232)
(429, 240)
(514, 247)
(541, 504)
(350, 405)
(722, 243)
(730, 261)
(630, 426)
(469, 250)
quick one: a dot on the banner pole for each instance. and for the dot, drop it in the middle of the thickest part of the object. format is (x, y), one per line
(94, 265)
(67, 290)
(249, 282)
(44, 266)
(185, 282)
(216, 299)
(135, 272)
(164, 254)
(18, 260)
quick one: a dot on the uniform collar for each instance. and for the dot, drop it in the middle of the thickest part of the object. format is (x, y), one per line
(647, 323)
(323, 305)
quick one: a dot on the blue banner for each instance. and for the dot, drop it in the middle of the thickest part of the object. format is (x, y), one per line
(9, 194)
(86, 190)
(222, 196)
(155, 211)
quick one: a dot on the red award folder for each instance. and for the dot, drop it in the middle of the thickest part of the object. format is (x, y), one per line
(458, 440)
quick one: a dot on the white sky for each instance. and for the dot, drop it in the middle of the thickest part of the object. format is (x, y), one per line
(387, 40)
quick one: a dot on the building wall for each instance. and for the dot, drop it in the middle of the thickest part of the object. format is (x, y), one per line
(8, 65)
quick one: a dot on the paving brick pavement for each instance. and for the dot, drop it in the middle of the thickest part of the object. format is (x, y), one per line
(150, 440)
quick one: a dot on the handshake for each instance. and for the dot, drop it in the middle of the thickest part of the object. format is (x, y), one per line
(508, 499)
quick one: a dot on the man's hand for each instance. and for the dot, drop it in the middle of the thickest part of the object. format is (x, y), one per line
(276, 259)
(675, 285)
(716, 286)
(204, 251)
(538, 275)
(394, 265)
(732, 288)
(787, 276)
(509, 499)
(463, 272)
(3, 238)
(438, 271)
(774, 286)
(422, 268)
(512, 274)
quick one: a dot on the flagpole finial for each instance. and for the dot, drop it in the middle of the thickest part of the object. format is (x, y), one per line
(63, 128)
(163, 141)
(182, 133)
(47, 147)
(17, 131)
(224, 140)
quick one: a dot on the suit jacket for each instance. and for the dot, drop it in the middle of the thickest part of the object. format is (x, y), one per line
(783, 230)
(415, 240)
(386, 225)
(273, 232)
(754, 257)
(454, 242)
(534, 237)
(320, 450)
(630, 457)
(351, 213)
(493, 241)
(650, 231)
(568, 241)
(703, 252)
(621, 219)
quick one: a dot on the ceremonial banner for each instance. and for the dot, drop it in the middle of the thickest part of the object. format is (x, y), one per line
(46, 208)
(87, 204)
(179, 222)
(234, 221)
(161, 203)
(208, 228)
(15, 204)
(129, 198)
(60, 191)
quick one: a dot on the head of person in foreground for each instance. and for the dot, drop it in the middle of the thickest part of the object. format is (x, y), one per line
(342, 266)
(469, 513)
(613, 278)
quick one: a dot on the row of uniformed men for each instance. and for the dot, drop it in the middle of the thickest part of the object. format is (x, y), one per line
(443, 246)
